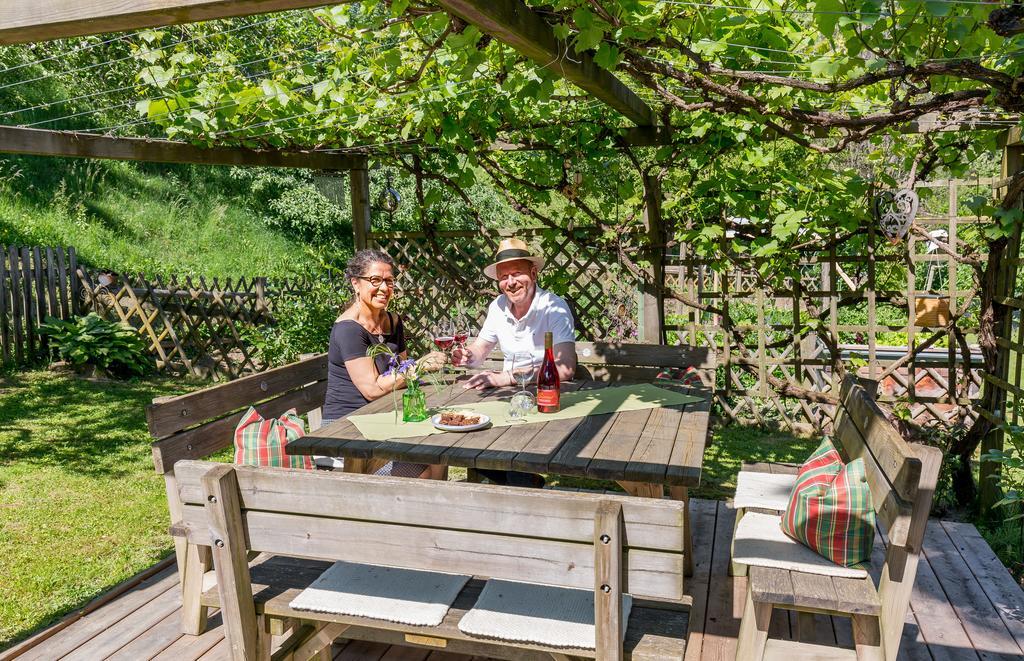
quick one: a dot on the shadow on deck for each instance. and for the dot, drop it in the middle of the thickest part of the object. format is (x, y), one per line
(965, 605)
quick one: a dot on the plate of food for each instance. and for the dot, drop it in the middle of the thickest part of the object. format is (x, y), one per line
(460, 420)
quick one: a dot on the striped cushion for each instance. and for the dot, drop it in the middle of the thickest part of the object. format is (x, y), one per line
(260, 442)
(830, 508)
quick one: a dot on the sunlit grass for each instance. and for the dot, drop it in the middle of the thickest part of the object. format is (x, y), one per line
(81, 508)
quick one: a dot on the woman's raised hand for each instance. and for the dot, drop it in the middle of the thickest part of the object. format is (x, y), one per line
(432, 362)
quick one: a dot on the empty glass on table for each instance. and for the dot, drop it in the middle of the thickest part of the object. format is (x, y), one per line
(523, 368)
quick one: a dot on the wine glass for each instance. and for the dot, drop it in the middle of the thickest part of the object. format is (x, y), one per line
(461, 331)
(443, 333)
(523, 368)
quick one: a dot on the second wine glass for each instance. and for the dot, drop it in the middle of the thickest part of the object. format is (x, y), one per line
(523, 368)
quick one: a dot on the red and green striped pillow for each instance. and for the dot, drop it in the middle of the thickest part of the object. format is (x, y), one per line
(830, 508)
(261, 442)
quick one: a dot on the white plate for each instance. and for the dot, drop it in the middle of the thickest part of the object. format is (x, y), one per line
(484, 421)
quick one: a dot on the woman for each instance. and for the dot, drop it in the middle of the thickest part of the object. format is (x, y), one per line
(353, 378)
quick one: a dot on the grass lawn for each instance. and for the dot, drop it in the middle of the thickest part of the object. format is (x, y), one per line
(81, 508)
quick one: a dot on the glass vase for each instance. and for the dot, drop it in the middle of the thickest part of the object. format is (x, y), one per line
(414, 403)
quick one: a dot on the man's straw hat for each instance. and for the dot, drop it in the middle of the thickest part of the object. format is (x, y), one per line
(509, 250)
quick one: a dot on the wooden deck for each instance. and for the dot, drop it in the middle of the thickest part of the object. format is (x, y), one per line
(965, 606)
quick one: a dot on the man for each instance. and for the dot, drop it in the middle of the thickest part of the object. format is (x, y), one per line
(516, 322)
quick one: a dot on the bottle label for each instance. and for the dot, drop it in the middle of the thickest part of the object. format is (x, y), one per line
(547, 397)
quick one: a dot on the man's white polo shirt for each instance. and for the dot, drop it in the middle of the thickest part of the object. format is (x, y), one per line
(548, 312)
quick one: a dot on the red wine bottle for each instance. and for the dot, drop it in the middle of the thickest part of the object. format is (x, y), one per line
(547, 380)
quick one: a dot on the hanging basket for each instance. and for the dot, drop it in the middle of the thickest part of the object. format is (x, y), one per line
(931, 311)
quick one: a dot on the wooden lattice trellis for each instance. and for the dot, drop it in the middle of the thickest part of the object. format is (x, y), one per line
(191, 324)
(917, 360)
(441, 275)
(886, 303)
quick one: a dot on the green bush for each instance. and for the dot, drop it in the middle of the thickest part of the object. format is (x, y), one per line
(94, 341)
(302, 324)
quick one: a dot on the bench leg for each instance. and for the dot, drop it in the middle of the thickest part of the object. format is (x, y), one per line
(805, 627)
(683, 494)
(473, 475)
(197, 561)
(753, 629)
(867, 638)
(736, 568)
(264, 637)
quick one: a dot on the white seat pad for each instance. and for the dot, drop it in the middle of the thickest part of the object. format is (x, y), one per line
(407, 596)
(760, 542)
(542, 614)
(768, 491)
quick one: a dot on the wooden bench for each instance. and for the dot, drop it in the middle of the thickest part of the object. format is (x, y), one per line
(605, 543)
(200, 424)
(619, 361)
(902, 479)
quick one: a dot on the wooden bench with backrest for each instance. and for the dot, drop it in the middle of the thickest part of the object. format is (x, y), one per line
(605, 543)
(200, 424)
(902, 479)
(622, 361)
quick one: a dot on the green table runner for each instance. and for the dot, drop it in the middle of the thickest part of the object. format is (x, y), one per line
(579, 404)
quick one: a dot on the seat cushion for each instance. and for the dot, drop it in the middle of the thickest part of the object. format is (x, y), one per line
(540, 614)
(830, 509)
(407, 596)
(760, 542)
(263, 442)
(767, 491)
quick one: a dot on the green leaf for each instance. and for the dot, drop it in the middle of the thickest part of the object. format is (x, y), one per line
(588, 38)
(828, 15)
(607, 56)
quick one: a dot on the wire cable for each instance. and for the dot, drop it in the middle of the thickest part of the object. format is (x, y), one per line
(135, 55)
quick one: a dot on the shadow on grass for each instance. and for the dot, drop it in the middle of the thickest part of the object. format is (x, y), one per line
(93, 428)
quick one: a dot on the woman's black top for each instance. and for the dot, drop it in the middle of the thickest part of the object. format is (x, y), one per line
(350, 340)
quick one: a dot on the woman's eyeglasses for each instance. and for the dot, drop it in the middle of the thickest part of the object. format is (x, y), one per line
(376, 281)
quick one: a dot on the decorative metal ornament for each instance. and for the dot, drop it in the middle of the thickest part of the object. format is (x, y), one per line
(896, 211)
(389, 198)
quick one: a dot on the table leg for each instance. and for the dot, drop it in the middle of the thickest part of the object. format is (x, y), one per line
(473, 475)
(642, 489)
(683, 494)
(355, 465)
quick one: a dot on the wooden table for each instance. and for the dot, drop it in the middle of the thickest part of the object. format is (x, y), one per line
(643, 451)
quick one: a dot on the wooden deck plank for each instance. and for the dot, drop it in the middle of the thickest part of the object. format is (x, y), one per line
(191, 648)
(988, 634)
(154, 641)
(1002, 591)
(361, 650)
(219, 652)
(703, 517)
(725, 595)
(397, 653)
(939, 624)
(85, 629)
(128, 629)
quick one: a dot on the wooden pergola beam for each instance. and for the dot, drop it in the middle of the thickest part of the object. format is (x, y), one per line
(37, 142)
(24, 21)
(515, 24)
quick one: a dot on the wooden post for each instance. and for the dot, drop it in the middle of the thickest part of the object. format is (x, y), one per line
(224, 510)
(359, 188)
(608, 583)
(652, 306)
(76, 286)
(989, 491)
